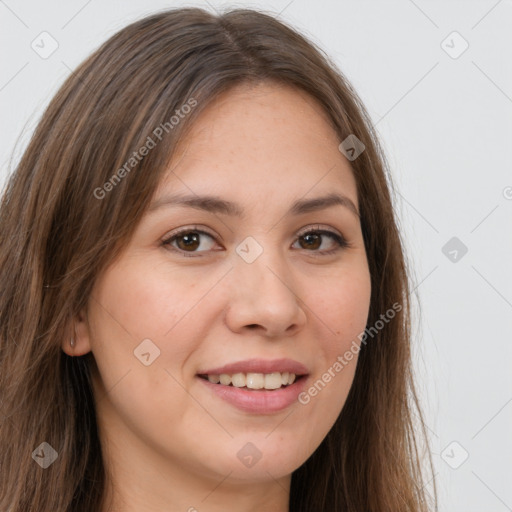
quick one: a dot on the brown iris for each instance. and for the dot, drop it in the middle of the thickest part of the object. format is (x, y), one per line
(190, 240)
(313, 241)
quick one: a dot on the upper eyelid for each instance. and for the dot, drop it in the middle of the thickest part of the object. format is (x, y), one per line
(319, 227)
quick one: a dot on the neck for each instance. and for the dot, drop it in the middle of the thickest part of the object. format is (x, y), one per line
(132, 492)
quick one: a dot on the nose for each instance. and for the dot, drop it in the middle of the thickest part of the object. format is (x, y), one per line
(262, 298)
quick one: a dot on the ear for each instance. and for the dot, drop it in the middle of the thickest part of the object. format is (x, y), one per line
(79, 333)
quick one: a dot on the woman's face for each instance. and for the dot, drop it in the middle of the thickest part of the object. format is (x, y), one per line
(254, 287)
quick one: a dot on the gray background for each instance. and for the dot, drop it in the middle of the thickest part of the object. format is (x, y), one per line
(445, 120)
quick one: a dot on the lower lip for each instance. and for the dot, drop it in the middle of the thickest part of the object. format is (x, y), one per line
(259, 401)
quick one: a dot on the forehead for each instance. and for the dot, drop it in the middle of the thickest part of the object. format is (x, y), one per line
(265, 139)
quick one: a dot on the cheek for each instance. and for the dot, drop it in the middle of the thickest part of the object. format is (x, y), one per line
(342, 313)
(146, 302)
(133, 304)
(129, 316)
(343, 307)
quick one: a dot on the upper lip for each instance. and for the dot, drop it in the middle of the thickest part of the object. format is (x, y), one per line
(259, 366)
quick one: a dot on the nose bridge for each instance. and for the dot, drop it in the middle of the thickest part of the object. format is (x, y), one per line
(264, 275)
(262, 265)
(264, 292)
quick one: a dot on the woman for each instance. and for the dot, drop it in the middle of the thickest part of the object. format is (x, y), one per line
(204, 298)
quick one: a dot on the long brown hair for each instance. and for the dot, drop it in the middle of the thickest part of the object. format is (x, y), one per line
(61, 225)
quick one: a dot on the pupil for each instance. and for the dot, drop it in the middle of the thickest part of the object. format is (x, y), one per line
(314, 238)
(190, 240)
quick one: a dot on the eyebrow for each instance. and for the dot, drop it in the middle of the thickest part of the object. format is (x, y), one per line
(216, 204)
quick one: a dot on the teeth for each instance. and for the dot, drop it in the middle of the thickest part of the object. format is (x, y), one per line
(238, 380)
(225, 379)
(254, 380)
(273, 380)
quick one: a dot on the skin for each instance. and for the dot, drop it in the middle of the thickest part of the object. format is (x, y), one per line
(263, 147)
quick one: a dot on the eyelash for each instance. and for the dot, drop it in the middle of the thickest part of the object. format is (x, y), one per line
(340, 240)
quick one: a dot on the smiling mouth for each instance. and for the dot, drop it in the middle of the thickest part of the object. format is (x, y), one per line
(254, 381)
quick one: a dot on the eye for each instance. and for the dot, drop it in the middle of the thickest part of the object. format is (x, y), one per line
(189, 240)
(314, 239)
